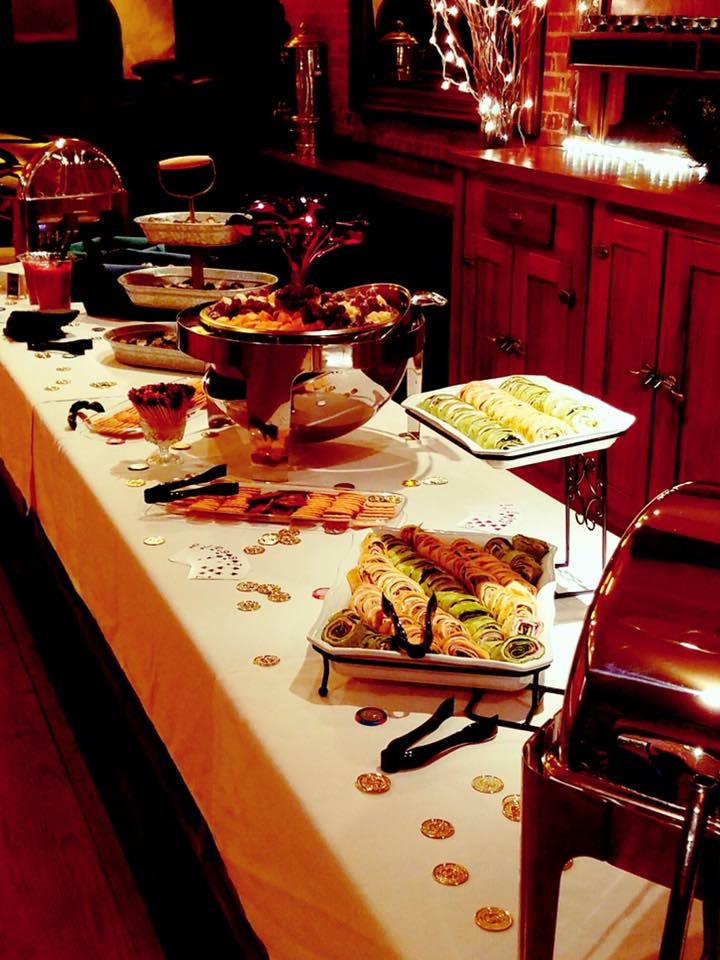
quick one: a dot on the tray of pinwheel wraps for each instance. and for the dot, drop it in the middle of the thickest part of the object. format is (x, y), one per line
(520, 420)
(423, 606)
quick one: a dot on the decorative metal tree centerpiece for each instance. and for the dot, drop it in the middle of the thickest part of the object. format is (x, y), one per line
(484, 46)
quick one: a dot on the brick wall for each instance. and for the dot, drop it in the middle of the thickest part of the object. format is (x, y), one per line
(329, 20)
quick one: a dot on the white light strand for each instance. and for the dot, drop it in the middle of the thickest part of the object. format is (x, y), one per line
(483, 48)
(664, 166)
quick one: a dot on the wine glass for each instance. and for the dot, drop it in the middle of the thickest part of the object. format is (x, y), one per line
(187, 177)
(163, 411)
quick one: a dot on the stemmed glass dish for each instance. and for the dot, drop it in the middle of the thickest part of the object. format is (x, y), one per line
(188, 178)
(163, 410)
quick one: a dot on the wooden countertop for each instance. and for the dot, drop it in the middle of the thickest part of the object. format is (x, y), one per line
(401, 179)
(549, 168)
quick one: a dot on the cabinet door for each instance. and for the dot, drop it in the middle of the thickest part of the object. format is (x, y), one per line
(623, 317)
(543, 315)
(687, 431)
(482, 319)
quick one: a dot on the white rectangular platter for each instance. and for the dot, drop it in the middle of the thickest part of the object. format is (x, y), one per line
(613, 424)
(435, 668)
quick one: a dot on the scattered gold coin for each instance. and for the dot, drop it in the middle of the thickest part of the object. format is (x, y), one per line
(248, 606)
(266, 660)
(42, 355)
(153, 541)
(451, 874)
(114, 441)
(138, 466)
(181, 445)
(495, 919)
(254, 549)
(103, 384)
(437, 829)
(246, 586)
(410, 483)
(487, 783)
(52, 387)
(373, 783)
(511, 807)
(278, 596)
(63, 369)
(135, 482)
(62, 382)
(267, 588)
(268, 539)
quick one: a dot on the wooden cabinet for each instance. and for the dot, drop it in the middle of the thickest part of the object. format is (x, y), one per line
(622, 336)
(519, 289)
(686, 425)
(620, 301)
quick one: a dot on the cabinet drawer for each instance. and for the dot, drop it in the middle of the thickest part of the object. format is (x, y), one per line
(519, 217)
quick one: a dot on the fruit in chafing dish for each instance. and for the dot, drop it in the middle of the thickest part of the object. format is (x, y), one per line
(296, 309)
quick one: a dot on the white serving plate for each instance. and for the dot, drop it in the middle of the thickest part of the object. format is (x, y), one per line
(208, 230)
(169, 297)
(614, 423)
(437, 668)
(160, 358)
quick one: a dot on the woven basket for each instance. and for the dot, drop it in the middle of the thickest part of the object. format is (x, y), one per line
(174, 228)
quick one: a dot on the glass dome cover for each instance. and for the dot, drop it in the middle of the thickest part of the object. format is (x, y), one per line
(68, 167)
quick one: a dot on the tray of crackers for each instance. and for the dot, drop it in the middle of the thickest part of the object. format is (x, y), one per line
(335, 509)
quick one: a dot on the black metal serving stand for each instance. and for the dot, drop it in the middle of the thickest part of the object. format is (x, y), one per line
(536, 687)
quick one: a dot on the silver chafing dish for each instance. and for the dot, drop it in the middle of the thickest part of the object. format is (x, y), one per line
(51, 187)
(628, 771)
(308, 387)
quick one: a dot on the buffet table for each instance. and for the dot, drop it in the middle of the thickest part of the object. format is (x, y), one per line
(324, 871)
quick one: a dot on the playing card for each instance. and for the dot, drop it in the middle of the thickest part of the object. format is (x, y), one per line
(492, 518)
(211, 561)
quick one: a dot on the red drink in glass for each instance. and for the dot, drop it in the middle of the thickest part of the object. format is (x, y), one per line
(48, 277)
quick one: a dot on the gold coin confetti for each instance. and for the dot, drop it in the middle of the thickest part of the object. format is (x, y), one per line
(254, 550)
(248, 606)
(246, 586)
(181, 445)
(135, 482)
(67, 356)
(278, 596)
(153, 541)
(138, 466)
(373, 783)
(267, 588)
(103, 384)
(487, 783)
(435, 481)
(62, 382)
(494, 919)
(451, 874)
(63, 369)
(114, 441)
(268, 539)
(266, 660)
(410, 483)
(511, 807)
(42, 355)
(437, 829)
(52, 387)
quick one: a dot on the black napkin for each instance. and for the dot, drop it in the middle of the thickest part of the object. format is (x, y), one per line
(34, 325)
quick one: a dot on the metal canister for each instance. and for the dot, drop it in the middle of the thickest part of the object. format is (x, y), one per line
(398, 48)
(308, 60)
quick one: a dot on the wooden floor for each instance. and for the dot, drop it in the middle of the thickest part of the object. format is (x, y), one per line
(66, 892)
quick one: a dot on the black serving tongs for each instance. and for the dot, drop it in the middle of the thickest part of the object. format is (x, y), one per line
(195, 486)
(400, 754)
(400, 638)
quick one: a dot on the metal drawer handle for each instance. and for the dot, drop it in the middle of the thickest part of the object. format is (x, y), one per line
(508, 344)
(568, 297)
(601, 251)
(654, 379)
(514, 216)
(670, 383)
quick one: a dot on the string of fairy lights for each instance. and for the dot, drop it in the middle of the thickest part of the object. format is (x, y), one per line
(483, 46)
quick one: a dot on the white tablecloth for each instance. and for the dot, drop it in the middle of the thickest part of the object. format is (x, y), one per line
(324, 871)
